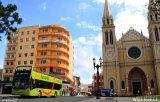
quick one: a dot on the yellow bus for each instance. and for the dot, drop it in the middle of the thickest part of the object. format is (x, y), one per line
(27, 82)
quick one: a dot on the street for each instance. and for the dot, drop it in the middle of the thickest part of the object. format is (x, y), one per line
(47, 99)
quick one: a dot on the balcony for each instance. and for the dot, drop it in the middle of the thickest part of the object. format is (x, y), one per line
(11, 51)
(62, 35)
(54, 49)
(8, 74)
(14, 37)
(54, 57)
(12, 44)
(10, 59)
(60, 41)
(45, 34)
(43, 41)
(9, 66)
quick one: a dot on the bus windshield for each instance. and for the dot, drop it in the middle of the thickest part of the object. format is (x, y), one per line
(21, 79)
(21, 82)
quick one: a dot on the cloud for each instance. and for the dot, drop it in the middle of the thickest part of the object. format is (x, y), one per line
(84, 48)
(131, 13)
(84, 24)
(127, 18)
(98, 1)
(67, 19)
(83, 6)
(44, 6)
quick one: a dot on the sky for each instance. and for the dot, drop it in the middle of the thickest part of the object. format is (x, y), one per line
(83, 19)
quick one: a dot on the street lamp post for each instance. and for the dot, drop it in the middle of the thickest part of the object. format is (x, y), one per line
(97, 66)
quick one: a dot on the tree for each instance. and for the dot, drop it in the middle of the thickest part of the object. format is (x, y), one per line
(155, 6)
(8, 17)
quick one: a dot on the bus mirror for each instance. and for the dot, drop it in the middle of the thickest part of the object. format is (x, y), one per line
(33, 81)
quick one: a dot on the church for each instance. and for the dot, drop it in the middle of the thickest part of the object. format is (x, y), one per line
(131, 65)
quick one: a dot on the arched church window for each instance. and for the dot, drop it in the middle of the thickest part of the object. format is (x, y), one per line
(106, 35)
(111, 37)
(111, 84)
(107, 21)
(111, 21)
(152, 84)
(150, 17)
(156, 16)
(103, 22)
(122, 84)
(156, 33)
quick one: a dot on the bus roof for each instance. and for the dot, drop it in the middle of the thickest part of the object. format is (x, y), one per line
(40, 76)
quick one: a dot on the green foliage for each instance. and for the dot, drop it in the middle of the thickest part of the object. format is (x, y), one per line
(155, 6)
(8, 17)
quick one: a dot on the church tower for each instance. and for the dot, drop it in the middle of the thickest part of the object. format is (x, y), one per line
(154, 36)
(110, 70)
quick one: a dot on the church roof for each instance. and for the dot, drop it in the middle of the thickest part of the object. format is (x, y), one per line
(132, 35)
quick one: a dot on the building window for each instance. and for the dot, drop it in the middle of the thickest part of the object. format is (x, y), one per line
(9, 63)
(156, 16)
(45, 30)
(33, 38)
(150, 17)
(19, 55)
(32, 54)
(58, 70)
(33, 31)
(152, 84)
(59, 38)
(43, 69)
(25, 55)
(21, 40)
(59, 46)
(44, 45)
(106, 36)
(19, 62)
(27, 39)
(43, 61)
(43, 53)
(22, 33)
(26, 47)
(58, 53)
(20, 47)
(25, 62)
(31, 62)
(122, 84)
(111, 84)
(58, 62)
(28, 32)
(156, 33)
(111, 37)
(107, 21)
(32, 46)
(59, 30)
(134, 52)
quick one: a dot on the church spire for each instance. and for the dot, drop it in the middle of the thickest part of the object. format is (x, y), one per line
(107, 13)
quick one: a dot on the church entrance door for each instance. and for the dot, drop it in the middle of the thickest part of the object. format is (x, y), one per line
(137, 81)
(136, 88)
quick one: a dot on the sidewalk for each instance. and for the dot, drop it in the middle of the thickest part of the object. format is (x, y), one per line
(8, 95)
(102, 99)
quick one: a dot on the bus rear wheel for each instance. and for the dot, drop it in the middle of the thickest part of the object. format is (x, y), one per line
(39, 94)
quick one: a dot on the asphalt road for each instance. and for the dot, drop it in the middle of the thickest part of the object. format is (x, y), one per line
(46, 99)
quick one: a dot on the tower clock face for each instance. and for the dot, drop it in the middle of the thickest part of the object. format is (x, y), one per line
(110, 54)
(134, 52)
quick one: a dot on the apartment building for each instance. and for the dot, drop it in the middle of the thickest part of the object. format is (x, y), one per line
(49, 49)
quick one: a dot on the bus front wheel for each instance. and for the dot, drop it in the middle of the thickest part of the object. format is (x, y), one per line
(39, 94)
(55, 94)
